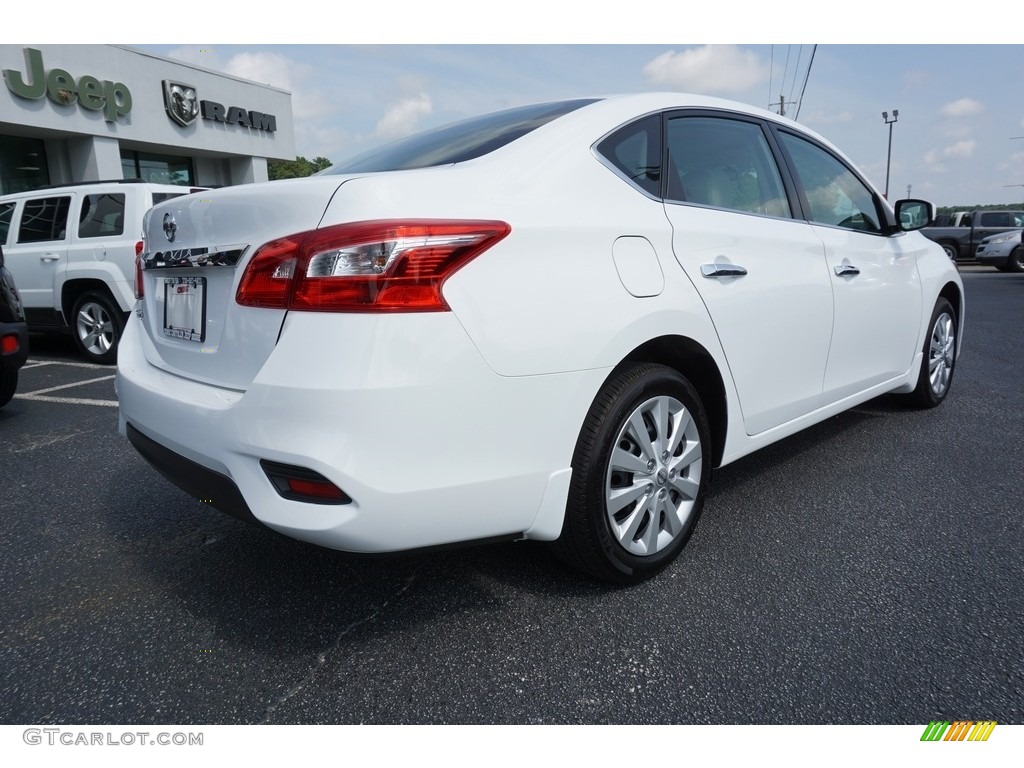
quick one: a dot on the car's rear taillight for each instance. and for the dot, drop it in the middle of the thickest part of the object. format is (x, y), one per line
(391, 266)
(139, 289)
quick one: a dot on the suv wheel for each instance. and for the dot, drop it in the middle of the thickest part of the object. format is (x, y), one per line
(96, 324)
(1016, 261)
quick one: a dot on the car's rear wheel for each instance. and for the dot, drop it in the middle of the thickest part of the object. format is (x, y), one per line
(97, 324)
(936, 374)
(641, 468)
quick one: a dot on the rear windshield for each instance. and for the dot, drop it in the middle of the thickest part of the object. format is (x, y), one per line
(458, 142)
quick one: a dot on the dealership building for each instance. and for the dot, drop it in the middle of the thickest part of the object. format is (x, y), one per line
(74, 113)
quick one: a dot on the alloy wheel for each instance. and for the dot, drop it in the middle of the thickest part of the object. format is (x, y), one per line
(653, 476)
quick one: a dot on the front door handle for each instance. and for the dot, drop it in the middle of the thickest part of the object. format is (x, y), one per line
(846, 270)
(722, 270)
(50, 257)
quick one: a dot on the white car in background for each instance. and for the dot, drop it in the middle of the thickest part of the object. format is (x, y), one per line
(547, 323)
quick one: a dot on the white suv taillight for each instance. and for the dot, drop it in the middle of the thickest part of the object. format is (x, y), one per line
(390, 266)
(139, 289)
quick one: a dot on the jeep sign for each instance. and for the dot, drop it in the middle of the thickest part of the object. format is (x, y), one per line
(114, 99)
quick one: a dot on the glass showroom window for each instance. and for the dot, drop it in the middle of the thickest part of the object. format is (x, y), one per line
(158, 169)
(22, 165)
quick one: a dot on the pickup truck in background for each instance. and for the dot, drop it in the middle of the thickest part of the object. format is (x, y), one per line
(960, 242)
(950, 219)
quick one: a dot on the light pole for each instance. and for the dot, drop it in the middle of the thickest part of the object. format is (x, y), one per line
(888, 157)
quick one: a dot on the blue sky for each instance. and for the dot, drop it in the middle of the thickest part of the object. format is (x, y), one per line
(367, 74)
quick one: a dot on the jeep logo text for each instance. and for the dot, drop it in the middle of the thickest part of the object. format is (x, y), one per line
(114, 99)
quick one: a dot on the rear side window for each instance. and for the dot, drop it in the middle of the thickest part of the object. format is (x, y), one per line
(6, 212)
(998, 219)
(835, 195)
(101, 216)
(44, 219)
(458, 142)
(635, 151)
(724, 163)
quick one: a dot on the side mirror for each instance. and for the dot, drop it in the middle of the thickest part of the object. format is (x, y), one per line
(914, 214)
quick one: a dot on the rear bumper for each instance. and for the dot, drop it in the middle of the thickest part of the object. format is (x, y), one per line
(400, 412)
(193, 478)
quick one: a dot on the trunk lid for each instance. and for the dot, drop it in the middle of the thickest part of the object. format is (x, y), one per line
(196, 250)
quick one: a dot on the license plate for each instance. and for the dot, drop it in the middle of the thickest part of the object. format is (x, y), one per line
(185, 308)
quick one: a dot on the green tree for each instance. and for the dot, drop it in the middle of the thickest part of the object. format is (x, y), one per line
(297, 168)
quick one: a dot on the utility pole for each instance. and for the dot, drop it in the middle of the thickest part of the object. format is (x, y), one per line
(888, 159)
(908, 190)
(781, 104)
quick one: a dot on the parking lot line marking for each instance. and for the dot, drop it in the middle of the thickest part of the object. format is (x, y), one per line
(71, 400)
(39, 364)
(44, 361)
(66, 386)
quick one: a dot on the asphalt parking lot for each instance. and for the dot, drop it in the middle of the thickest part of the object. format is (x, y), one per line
(868, 570)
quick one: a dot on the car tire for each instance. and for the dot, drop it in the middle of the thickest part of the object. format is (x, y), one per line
(640, 472)
(8, 385)
(951, 251)
(939, 360)
(1015, 262)
(96, 325)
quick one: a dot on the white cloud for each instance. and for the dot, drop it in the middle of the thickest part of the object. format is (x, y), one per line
(933, 162)
(270, 68)
(962, 108)
(402, 118)
(710, 68)
(960, 149)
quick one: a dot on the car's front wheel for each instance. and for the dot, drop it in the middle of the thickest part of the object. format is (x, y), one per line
(936, 374)
(1015, 263)
(641, 469)
(97, 324)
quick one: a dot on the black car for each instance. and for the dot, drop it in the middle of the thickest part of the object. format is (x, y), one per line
(13, 334)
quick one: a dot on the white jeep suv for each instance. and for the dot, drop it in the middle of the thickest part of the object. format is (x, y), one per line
(72, 252)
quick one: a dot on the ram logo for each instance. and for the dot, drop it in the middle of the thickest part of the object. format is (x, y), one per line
(181, 102)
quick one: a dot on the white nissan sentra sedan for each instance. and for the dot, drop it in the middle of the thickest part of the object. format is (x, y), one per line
(547, 323)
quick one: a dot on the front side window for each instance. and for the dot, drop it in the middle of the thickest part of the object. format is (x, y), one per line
(723, 163)
(102, 216)
(635, 151)
(44, 219)
(835, 195)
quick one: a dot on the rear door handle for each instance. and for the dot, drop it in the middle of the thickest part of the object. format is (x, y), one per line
(50, 257)
(722, 270)
(846, 270)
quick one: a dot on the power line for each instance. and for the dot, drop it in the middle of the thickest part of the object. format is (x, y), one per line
(807, 77)
(796, 69)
